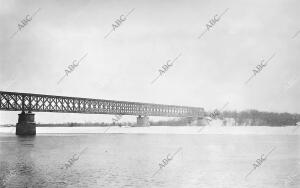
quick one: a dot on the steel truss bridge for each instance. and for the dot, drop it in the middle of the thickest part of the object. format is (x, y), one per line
(13, 101)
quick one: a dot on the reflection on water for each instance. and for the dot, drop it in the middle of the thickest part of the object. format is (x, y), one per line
(20, 168)
(129, 160)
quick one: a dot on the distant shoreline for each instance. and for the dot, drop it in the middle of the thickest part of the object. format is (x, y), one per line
(194, 130)
(48, 125)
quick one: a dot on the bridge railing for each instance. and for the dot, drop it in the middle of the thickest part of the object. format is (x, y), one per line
(13, 101)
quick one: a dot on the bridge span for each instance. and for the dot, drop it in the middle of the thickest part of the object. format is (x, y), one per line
(29, 102)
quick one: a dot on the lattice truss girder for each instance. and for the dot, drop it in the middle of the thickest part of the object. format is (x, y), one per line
(46, 103)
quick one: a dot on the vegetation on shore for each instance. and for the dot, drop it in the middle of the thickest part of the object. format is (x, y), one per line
(257, 118)
(243, 118)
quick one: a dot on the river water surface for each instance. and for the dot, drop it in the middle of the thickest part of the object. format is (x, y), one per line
(130, 160)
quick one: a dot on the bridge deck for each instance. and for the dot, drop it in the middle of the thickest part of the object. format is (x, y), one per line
(13, 101)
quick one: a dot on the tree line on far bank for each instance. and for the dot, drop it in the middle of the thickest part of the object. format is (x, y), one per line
(243, 118)
(257, 118)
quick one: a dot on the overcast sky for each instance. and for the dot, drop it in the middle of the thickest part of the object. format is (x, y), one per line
(210, 72)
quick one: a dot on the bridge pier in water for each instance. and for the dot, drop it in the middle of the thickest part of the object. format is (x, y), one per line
(26, 124)
(142, 121)
(196, 121)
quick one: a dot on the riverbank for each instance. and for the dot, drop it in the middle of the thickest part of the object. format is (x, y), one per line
(241, 130)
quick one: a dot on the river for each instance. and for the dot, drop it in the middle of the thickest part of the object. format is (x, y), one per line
(131, 160)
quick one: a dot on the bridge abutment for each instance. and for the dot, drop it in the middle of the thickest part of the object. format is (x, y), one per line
(142, 121)
(26, 124)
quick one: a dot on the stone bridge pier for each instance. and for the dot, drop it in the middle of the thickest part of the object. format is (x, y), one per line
(26, 124)
(142, 121)
(196, 121)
